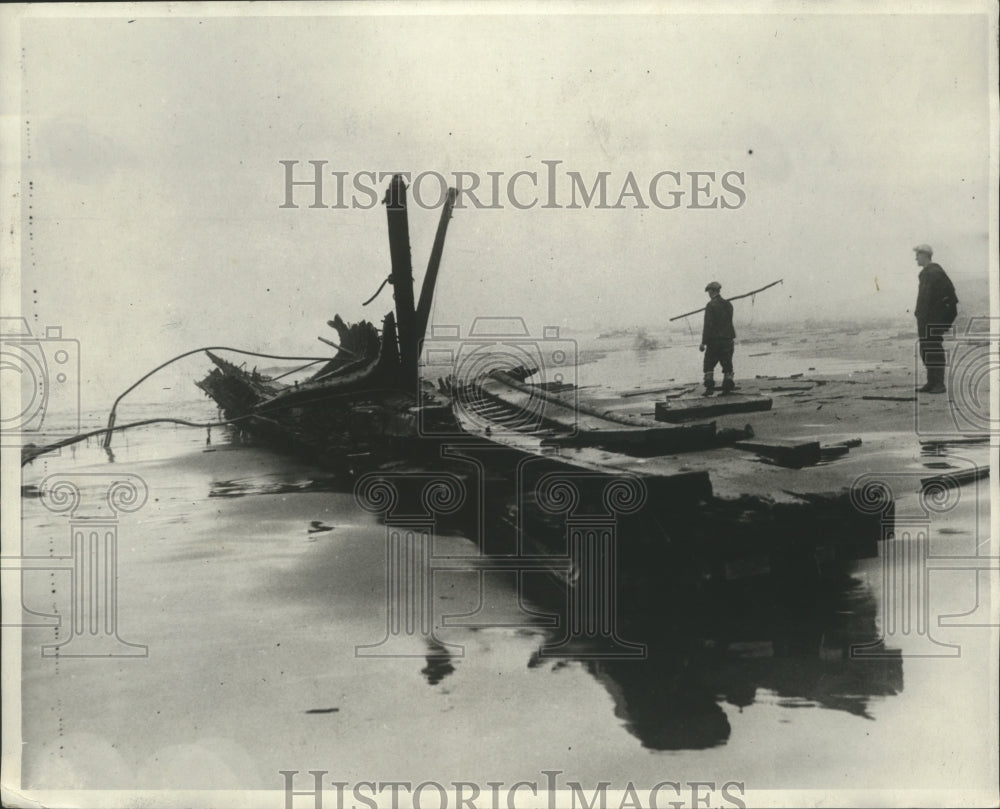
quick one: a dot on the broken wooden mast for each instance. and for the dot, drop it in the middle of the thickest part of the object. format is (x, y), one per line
(430, 277)
(402, 279)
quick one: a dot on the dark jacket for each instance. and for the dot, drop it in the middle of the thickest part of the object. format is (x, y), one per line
(718, 321)
(936, 298)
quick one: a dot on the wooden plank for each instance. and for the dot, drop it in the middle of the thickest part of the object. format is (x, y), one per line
(956, 477)
(791, 453)
(940, 442)
(648, 391)
(830, 452)
(583, 426)
(641, 441)
(706, 406)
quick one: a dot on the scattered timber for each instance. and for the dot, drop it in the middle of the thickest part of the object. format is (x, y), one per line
(685, 409)
(793, 454)
(956, 441)
(703, 505)
(365, 402)
(959, 477)
(830, 452)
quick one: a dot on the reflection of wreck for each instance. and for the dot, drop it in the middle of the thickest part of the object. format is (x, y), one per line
(703, 505)
(364, 402)
(701, 508)
(677, 698)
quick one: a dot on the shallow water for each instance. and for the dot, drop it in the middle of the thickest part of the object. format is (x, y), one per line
(256, 582)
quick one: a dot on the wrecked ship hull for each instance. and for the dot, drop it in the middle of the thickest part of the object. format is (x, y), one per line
(352, 414)
(656, 488)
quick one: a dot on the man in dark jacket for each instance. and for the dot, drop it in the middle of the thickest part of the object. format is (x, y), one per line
(935, 311)
(717, 338)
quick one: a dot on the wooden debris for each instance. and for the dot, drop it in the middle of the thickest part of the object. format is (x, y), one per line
(649, 390)
(952, 480)
(703, 406)
(850, 443)
(794, 453)
(957, 440)
(833, 451)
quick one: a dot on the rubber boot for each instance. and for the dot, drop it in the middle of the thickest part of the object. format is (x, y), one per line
(935, 380)
(728, 384)
(709, 384)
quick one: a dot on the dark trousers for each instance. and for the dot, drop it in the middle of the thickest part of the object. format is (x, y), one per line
(932, 352)
(932, 345)
(718, 352)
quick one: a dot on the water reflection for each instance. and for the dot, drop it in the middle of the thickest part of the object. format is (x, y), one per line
(275, 484)
(438, 664)
(708, 655)
(727, 656)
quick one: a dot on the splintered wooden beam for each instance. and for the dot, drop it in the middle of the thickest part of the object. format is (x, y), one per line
(703, 406)
(791, 453)
(954, 479)
(402, 277)
(430, 277)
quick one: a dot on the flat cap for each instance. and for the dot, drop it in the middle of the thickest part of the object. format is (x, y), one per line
(924, 248)
(713, 285)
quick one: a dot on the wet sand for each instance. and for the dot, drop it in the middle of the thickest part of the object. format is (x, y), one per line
(252, 610)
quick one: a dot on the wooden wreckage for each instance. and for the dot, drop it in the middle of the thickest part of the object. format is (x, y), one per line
(717, 502)
(361, 407)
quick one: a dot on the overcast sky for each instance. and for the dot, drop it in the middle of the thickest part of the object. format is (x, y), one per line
(152, 146)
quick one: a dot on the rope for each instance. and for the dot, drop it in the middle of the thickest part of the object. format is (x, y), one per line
(114, 407)
(29, 451)
(752, 292)
(377, 291)
(296, 370)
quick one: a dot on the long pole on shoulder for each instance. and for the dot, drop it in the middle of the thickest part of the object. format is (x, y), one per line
(734, 298)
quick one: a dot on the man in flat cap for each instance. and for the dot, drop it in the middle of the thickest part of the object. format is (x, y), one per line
(936, 310)
(717, 338)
